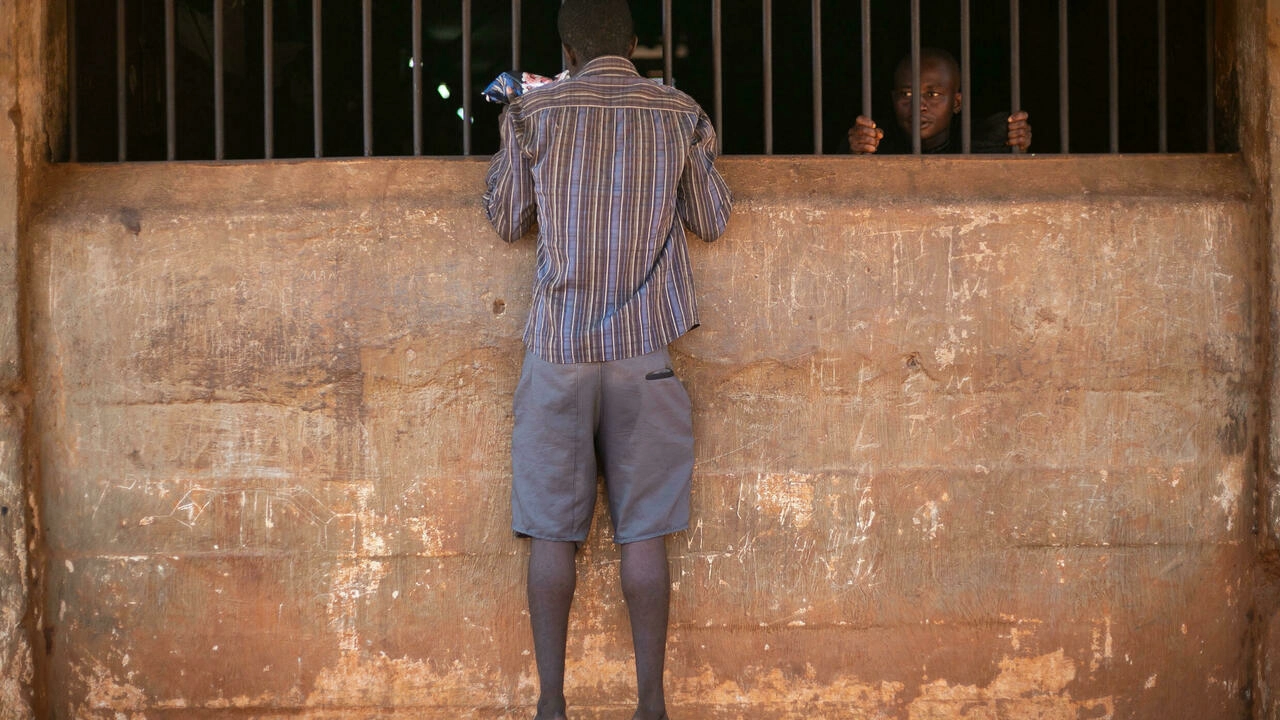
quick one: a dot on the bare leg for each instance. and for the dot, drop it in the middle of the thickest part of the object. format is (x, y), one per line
(552, 577)
(647, 588)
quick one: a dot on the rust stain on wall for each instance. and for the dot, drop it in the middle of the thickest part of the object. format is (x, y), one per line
(1026, 689)
(980, 459)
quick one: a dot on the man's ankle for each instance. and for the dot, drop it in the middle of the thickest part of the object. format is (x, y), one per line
(551, 709)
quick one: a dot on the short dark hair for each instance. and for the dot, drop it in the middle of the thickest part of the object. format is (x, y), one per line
(594, 28)
(935, 54)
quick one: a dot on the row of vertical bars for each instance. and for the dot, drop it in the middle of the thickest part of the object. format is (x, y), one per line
(717, 40)
(966, 55)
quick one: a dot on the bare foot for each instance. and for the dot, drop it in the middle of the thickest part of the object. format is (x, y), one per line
(550, 715)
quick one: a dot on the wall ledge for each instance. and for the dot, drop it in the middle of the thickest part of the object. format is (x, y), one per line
(805, 180)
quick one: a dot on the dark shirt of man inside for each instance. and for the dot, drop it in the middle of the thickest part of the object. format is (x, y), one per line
(940, 103)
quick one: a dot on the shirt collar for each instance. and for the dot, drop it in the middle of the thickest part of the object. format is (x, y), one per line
(608, 65)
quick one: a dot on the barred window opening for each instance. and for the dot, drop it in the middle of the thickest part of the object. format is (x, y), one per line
(243, 79)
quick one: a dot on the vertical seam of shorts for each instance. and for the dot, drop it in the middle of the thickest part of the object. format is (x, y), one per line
(577, 450)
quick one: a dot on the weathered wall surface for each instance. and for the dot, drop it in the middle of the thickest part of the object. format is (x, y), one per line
(1258, 30)
(15, 654)
(975, 439)
(28, 66)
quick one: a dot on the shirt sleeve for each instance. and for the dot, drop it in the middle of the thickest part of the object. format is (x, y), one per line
(703, 200)
(509, 200)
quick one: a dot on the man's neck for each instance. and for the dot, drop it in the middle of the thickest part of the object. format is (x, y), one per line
(578, 68)
(937, 141)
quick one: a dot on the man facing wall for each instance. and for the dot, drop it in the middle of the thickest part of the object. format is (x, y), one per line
(613, 168)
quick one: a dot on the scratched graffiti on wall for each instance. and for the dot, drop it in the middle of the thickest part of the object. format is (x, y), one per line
(954, 459)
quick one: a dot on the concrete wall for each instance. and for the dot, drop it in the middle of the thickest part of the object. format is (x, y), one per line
(30, 82)
(15, 655)
(975, 439)
(1257, 26)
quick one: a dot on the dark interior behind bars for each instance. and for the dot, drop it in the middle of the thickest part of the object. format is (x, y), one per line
(176, 84)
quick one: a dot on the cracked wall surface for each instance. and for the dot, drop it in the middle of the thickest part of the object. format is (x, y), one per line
(29, 66)
(975, 439)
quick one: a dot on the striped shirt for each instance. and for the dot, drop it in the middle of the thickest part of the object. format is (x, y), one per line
(613, 168)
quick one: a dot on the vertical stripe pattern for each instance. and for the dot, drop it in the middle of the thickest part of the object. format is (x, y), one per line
(614, 168)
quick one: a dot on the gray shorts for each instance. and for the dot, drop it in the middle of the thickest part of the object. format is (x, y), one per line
(628, 420)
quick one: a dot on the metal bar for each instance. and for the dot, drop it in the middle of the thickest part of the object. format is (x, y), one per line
(268, 79)
(768, 77)
(170, 85)
(564, 56)
(1210, 76)
(73, 82)
(866, 58)
(916, 145)
(466, 77)
(516, 22)
(1015, 60)
(966, 84)
(1163, 68)
(122, 98)
(417, 76)
(817, 77)
(1064, 93)
(717, 70)
(317, 81)
(1113, 56)
(668, 60)
(219, 90)
(366, 66)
